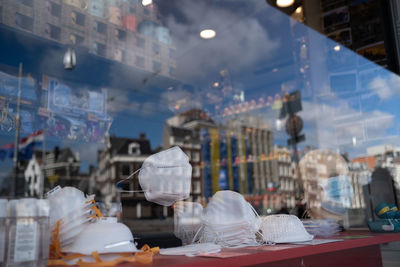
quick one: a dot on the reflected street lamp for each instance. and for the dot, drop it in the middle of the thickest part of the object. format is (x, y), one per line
(69, 59)
(284, 3)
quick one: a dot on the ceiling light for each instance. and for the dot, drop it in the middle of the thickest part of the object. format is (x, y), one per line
(299, 10)
(216, 84)
(207, 34)
(336, 48)
(146, 2)
(284, 3)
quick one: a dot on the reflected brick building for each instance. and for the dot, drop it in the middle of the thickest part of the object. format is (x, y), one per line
(121, 157)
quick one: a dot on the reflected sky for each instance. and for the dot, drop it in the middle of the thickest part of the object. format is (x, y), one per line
(258, 55)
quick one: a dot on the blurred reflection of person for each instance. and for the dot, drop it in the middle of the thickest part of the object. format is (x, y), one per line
(283, 210)
(301, 209)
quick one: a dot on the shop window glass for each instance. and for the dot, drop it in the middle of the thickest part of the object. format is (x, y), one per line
(100, 27)
(78, 18)
(24, 22)
(140, 61)
(55, 9)
(26, 2)
(278, 104)
(140, 42)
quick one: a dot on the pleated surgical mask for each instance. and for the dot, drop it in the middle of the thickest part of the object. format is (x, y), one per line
(165, 177)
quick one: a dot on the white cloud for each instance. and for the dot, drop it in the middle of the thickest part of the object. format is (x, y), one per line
(118, 101)
(333, 130)
(233, 46)
(386, 87)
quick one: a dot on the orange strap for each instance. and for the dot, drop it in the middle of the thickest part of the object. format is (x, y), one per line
(56, 257)
(144, 257)
(95, 209)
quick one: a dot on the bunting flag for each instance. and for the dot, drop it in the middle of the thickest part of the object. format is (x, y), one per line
(25, 147)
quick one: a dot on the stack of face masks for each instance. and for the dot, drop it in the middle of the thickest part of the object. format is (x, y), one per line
(187, 220)
(73, 209)
(165, 177)
(284, 228)
(230, 221)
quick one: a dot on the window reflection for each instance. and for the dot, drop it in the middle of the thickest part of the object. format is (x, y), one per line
(268, 107)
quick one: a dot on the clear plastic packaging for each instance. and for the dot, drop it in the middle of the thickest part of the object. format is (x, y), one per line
(324, 228)
(3, 230)
(23, 234)
(45, 233)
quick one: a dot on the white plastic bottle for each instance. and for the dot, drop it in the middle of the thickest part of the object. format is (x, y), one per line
(3, 230)
(24, 234)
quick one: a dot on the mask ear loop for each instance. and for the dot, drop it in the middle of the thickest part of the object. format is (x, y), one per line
(133, 174)
(259, 230)
(128, 178)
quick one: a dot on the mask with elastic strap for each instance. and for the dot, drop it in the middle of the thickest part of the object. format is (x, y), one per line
(283, 228)
(164, 177)
(230, 221)
(187, 220)
(108, 254)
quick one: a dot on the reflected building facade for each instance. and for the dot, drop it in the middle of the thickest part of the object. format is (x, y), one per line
(183, 130)
(120, 158)
(237, 155)
(287, 177)
(120, 30)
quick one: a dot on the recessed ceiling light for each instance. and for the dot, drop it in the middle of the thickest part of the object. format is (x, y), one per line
(284, 3)
(146, 2)
(336, 48)
(207, 34)
(299, 10)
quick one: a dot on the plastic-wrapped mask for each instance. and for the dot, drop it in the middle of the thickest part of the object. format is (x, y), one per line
(187, 220)
(284, 228)
(325, 227)
(230, 221)
(338, 194)
(165, 177)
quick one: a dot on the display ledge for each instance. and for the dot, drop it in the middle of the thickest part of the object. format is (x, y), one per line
(358, 248)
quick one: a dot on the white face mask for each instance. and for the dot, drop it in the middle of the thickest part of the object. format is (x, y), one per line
(230, 221)
(104, 236)
(165, 177)
(283, 228)
(187, 220)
